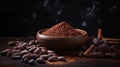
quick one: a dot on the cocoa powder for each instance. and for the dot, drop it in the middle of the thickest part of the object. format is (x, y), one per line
(62, 29)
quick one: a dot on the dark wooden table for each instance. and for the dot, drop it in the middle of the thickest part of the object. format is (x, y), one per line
(80, 62)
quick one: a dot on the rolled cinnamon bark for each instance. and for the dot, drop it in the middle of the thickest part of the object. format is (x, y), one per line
(113, 42)
(111, 39)
(99, 33)
(87, 52)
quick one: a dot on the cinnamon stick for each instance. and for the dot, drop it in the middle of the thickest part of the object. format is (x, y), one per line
(111, 39)
(99, 33)
(113, 42)
(87, 52)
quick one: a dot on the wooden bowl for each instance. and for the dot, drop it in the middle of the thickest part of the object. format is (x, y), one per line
(64, 43)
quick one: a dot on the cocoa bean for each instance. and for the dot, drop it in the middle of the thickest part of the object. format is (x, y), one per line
(28, 56)
(37, 50)
(32, 49)
(24, 52)
(12, 43)
(40, 60)
(4, 52)
(52, 59)
(16, 56)
(34, 56)
(31, 61)
(61, 58)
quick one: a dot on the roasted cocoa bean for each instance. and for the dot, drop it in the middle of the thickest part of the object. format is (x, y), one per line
(12, 43)
(37, 50)
(28, 56)
(44, 56)
(29, 47)
(16, 56)
(25, 60)
(9, 54)
(61, 58)
(52, 59)
(16, 50)
(50, 51)
(31, 61)
(20, 47)
(32, 49)
(31, 42)
(19, 43)
(43, 50)
(40, 60)
(52, 54)
(36, 42)
(4, 52)
(34, 56)
(24, 52)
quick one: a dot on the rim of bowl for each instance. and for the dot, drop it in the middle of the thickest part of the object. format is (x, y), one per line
(83, 33)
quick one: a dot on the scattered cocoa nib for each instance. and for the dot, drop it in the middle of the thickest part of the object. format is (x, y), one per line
(97, 41)
(115, 48)
(80, 54)
(96, 54)
(111, 55)
(102, 48)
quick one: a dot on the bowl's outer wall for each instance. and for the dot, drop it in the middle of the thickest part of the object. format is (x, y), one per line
(62, 43)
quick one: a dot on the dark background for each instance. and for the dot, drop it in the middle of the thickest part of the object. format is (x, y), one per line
(26, 17)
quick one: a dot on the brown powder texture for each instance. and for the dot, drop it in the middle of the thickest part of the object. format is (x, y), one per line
(62, 29)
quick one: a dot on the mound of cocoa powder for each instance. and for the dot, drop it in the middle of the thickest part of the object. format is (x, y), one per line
(62, 29)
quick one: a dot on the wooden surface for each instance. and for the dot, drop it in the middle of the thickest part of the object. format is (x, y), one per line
(76, 62)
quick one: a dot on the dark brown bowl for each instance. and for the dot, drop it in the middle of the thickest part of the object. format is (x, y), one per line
(64, 43)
